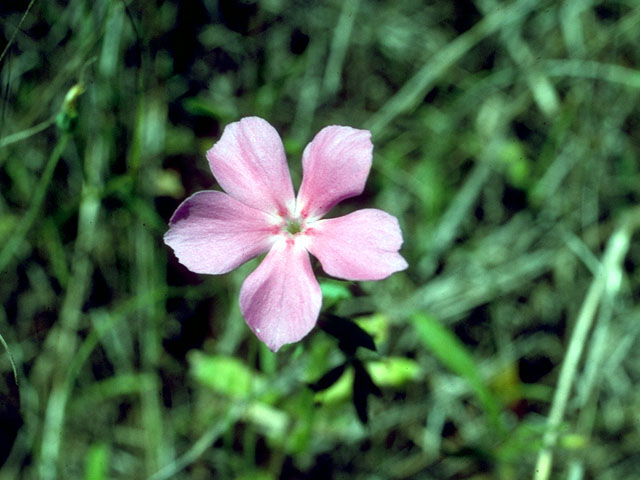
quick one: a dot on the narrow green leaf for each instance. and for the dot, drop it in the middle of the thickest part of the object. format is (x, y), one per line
(338, 392)
(273, 422)
(13, 363)
(225, 375)
(97, 462)
(394, 371)
(454, 355)
(113, 387)
(328, 379)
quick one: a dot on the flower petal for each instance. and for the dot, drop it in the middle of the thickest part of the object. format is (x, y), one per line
(250, 165)
(281, 298)
(360, 246)
(335, 166)
(210, 232)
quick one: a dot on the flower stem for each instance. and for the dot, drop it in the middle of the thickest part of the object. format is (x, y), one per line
(16, 239)
(606, 278)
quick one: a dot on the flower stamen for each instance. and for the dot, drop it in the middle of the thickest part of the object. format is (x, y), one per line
(293, 226)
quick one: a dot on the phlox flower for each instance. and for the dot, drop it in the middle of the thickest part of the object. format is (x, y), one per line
(214, 232)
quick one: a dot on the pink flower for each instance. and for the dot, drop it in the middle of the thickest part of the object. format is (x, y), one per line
(214, 232)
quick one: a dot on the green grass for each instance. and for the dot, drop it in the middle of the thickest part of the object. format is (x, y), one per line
(507, 142)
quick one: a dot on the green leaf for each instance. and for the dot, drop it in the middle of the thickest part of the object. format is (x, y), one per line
(97, 462)
(167, 182)
(333, 291)
(455, 356)
(300, 436)
(338, 392)
(112, 387)
(256, 475)
(268, 360)
(518, 167)
(376, 325)
(8, 224)
(273, 422)
(524, 440)
(225, 375)
(574, 441)
(394, 371)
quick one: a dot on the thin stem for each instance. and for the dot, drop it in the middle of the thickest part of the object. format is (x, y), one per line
(64, 339)
(13, 35)
(201, 445)
(285, 382)
(607, 277)
(339, 45)
(24, 134)
(16, 239)
(13, 363)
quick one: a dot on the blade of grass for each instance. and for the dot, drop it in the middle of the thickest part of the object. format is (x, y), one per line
(149, 138)
(13, 35)
(628, 77)
(17, 238)
(286, 381)
(338, 49)
(63, 339)
(309, 90)
(13, 363)
(456, 357)
(607, 277)
(543, 91)
(416, 87)
(24, 134)
(451, 295)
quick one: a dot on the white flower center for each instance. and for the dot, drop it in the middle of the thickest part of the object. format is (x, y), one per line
(295, 229)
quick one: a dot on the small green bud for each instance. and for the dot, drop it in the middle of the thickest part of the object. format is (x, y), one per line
(67, 118)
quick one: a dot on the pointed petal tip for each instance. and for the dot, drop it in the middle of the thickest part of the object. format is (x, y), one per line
(281, 299)
(275, 346)
(363, 245)
(335, 164)
(249, 163)
(403, 264)
(275, 338)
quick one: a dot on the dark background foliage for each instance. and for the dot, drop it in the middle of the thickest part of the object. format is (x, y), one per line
(506, 135)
